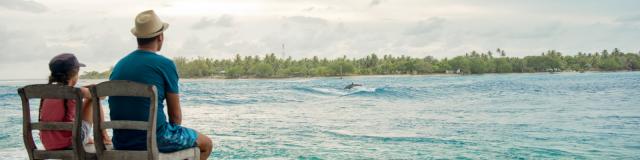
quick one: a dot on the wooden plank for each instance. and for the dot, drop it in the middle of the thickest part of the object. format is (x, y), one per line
(123, 88)
(59, 154)
(151, 136)
(97, 125)
(196, 154)
(189, 153)
(121, 124)
(27, 136)
(77, 140)
(51, 91)
(64, 126)
(124, 155)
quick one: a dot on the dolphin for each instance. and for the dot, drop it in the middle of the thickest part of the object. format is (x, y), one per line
(352, 85)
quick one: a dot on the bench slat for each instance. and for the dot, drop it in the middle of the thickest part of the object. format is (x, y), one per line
(181, 154)
(123, 88)
(50, 91)
(61, 154)
(121, 154)
(65, 126)
(121, 124)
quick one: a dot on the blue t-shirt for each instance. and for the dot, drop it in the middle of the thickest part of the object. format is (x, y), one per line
(148, 68)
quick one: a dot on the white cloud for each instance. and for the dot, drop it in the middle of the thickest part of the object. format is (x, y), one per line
(23, 5)
(98, 31)
(222, 21)
(374, 3)
(203, 23)
(307, 20)
(225, 21)
(20, 45)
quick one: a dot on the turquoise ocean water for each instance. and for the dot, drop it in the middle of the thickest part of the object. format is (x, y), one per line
(492, 116)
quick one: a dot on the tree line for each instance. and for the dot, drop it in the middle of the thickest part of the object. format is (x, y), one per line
(270, 66)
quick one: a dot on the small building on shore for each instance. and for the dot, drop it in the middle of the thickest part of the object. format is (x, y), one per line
(457, 71)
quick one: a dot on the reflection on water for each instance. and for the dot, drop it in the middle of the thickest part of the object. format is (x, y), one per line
(509, 116)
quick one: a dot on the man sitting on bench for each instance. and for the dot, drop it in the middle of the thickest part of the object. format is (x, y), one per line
(144, 65)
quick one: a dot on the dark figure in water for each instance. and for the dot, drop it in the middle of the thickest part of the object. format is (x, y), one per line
(352, 85)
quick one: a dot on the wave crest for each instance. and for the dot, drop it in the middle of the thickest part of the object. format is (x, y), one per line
(357, 91)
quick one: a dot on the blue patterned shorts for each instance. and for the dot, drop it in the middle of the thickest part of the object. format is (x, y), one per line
(173, 137)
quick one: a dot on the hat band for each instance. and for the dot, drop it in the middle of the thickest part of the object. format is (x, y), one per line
(160, 30)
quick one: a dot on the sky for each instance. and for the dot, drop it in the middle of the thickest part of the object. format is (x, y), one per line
(98, 32)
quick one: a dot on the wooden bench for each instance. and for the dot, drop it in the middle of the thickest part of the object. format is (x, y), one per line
(48, 91)
(133, 89)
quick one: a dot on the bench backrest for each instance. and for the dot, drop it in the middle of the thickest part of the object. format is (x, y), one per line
(130, 89)
(51, 91)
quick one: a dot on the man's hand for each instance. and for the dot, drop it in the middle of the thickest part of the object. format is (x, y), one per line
(173, 107)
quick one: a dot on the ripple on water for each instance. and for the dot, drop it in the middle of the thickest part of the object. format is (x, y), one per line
(390, 139)
(537, 153)
(501, 116)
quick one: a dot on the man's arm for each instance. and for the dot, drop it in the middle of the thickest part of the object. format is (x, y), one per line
(173, 107)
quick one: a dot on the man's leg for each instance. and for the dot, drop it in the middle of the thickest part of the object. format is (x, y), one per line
(205, 144)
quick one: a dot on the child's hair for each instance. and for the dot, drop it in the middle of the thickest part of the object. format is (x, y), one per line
(63, 78)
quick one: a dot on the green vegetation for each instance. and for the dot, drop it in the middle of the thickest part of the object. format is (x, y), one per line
(96, 75)
(270, 66)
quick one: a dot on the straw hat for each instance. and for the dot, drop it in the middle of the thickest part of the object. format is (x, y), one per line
(148, 25)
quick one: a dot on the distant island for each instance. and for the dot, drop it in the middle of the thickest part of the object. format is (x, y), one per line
(474, 62)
